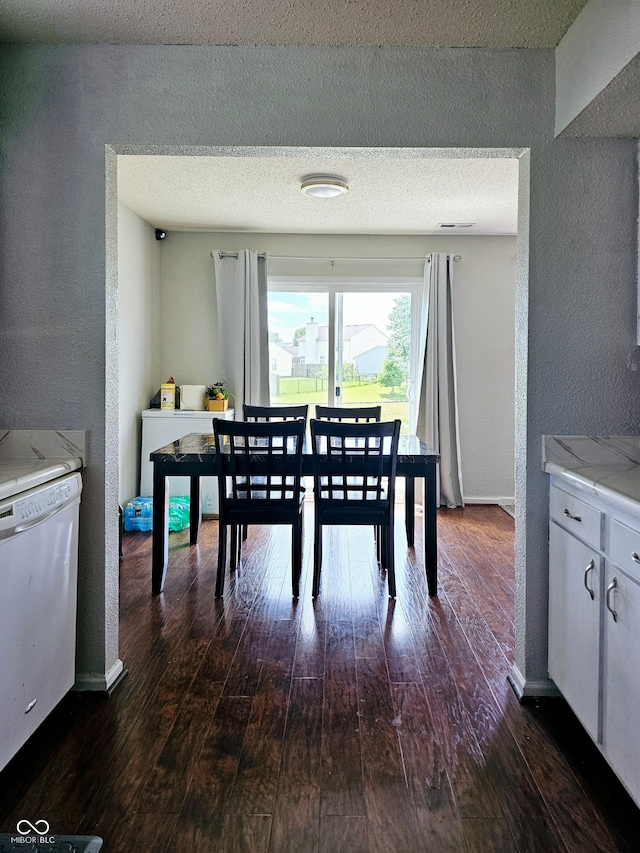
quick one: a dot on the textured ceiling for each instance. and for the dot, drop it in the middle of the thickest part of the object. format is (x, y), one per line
(430, 23)
(249, 193)
(391, 192)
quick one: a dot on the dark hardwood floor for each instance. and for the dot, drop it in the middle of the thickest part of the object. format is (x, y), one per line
(354, 723)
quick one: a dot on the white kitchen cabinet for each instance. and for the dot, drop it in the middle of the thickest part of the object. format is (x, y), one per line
(621, 670)
(575, 575)
(594, 621)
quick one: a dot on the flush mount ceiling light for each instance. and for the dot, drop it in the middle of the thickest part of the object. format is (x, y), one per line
(324, 186)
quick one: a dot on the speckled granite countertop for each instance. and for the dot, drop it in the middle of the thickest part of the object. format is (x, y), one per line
(604, 466)
(29, 458)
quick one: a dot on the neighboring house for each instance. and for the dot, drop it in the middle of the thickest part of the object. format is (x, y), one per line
(358, 339)
(281, 358)
(370, 362)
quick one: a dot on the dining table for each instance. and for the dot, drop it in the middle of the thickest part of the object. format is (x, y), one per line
(194, 456)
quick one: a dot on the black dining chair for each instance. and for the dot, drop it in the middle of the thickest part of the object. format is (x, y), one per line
(260, 483)
(267, 414)
(354, 467)
(353, 414)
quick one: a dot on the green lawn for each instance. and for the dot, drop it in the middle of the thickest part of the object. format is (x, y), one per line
(298, 391)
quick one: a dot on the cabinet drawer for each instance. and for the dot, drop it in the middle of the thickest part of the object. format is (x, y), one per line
(624, 548)
(576, 516)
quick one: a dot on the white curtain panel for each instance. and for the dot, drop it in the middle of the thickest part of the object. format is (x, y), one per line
(243, 341)
(438, 403)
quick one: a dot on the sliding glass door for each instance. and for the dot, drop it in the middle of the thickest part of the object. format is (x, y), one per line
(346, 343)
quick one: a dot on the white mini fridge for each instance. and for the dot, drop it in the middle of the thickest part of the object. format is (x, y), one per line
(161, 426)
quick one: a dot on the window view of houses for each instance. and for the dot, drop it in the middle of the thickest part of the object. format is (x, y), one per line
(372, 346)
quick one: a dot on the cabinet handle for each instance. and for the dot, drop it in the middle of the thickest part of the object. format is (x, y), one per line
(591, 566)
(572, 517)
(610, 588)
(635, 557)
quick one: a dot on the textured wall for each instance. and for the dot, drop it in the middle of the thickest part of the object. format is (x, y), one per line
(61, 106)
(603, 40)
(138, 334)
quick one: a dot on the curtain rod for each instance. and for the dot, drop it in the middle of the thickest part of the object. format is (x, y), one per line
(263, 255)
(221, 255)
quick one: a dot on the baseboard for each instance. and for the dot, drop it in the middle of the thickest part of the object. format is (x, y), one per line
(488, 499)
(89, 682)
(529, 690)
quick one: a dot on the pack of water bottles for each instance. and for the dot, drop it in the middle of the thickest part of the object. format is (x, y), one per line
(138, 513)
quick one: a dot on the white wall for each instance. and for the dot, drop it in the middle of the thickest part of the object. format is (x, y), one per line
(188, 311)
(484, 283)
(138, 334)
(68, 110)
(484, 315)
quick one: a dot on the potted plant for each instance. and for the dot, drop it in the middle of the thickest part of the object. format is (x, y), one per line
(217, 397)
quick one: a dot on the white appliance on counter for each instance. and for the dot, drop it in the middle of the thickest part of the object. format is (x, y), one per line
(161, 426)
(38, 579)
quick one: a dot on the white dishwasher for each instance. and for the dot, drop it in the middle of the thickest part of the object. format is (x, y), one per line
(38, 594)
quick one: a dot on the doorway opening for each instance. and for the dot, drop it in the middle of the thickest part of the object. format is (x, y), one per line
(407, 157)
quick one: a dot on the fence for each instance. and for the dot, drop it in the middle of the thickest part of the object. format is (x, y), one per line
(290, 390)
(288, 385)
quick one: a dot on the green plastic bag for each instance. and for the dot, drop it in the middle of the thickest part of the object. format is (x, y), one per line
(178, 512)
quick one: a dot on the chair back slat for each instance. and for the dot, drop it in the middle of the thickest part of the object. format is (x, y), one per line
(260, 461)
(266, 414)
(359, 414)
(354, 461)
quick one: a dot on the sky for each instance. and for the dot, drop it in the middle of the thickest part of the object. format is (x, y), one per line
(288, 311)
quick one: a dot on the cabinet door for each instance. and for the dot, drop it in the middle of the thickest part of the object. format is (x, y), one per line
(575, 573)
(621, 679)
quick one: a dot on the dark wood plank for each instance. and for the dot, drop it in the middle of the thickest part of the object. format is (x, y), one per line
(399, 648)
(296, 820)
(437, 819)
(392, 820)
(519, 797)
(483, 834)
(343, 832)
(168, 780)
(256, 782)
(145, 831)
(245, 834)
(341, 782)
(201, 820)
(472, 785)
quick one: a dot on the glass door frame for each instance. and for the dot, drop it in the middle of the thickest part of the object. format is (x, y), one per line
(334, 286)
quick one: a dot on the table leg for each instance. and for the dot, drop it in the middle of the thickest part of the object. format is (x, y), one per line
(430, 529)
(195, 515)
(410, 509)
(160, 534)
